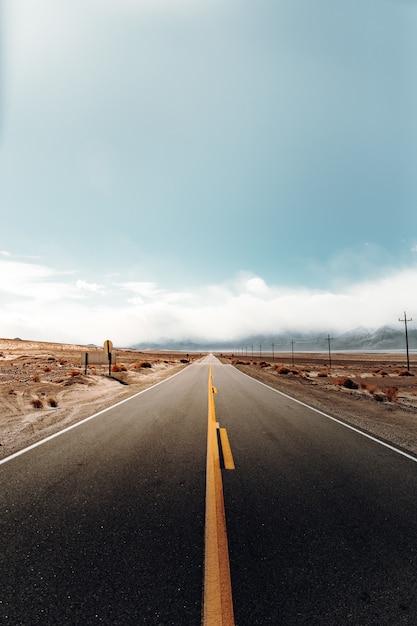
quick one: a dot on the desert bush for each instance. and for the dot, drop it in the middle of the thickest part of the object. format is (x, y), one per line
(74, 373)
(36, 403)
(405, 373)
(118, 367)
(184, 361)
(36, 378)
(282, 370)
(63, 362)
(391, 393)
(322, 374)
(12, 392)
(52, 402)
(46, 369)
(348, 383)
(369, 388)
(143, 364)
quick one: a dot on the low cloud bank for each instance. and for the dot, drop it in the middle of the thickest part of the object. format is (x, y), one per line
(40, 303)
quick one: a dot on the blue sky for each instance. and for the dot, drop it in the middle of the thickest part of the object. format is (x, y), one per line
(206, 169)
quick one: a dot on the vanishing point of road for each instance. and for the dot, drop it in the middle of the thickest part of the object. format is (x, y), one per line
(209, 499)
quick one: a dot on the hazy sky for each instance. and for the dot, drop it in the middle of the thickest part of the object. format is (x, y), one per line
(206, 168)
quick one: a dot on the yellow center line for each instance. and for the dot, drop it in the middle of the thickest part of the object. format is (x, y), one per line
(226, 449)
(217, 600)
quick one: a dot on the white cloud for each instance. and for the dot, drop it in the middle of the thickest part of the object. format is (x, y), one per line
(38, 302)
(83, 285)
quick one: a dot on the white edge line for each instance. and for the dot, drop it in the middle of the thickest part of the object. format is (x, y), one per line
(87, 419)
(356, 430)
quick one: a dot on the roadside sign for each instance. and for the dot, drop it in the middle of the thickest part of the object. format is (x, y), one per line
(108, 346)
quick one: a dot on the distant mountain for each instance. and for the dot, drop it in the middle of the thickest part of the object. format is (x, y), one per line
(360, 339)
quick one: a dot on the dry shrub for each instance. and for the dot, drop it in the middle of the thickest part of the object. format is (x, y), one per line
(348, 383)
(118, 367)
(379, 372)
(322, 374)
(391, 393)
(36, 403)
(74, 373)
(405, 373)
(63, 362)
(36, 378)
(52, 402)
(369, 388)
(46, 369)
(143, 364)
(282, 370)
(12, 392)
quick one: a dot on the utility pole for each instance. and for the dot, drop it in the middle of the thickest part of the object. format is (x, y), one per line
(273, 356)
(329, 339)
(405, 320)
(292, 350)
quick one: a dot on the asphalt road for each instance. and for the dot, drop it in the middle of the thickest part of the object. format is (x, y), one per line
(105, 523)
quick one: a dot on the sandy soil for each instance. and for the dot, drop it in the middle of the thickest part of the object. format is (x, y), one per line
(383, 402)
(44, 387)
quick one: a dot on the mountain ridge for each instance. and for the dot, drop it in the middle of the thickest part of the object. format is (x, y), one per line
(360, 339)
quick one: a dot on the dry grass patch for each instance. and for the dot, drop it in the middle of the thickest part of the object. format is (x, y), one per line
(369, 388)
(119, 367)
(348, 383)
(391, 393)
(142, 364)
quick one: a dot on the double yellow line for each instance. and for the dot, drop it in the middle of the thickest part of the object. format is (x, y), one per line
(217, 600)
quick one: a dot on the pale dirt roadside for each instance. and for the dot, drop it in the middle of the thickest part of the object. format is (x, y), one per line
(43, 387)
(310, 380)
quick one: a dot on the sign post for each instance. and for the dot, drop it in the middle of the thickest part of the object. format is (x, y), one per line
(108, 347)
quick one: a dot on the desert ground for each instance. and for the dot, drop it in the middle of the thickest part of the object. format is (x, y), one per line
(45, 387)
